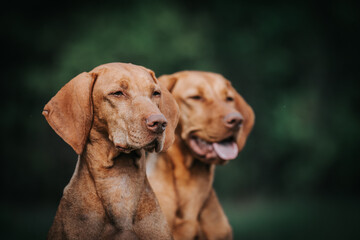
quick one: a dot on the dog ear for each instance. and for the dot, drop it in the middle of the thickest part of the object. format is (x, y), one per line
(249, 118)
(168, 81)
(70, 111)
(170, 109)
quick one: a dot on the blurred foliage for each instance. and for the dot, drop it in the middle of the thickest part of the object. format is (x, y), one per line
(295, 62)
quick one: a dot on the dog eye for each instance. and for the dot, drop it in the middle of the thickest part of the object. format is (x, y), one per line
(118, 93)
(196, 97)
(229, 99)
(156, 93)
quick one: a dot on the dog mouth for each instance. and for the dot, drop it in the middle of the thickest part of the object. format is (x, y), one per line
(137, 143)
(225, 149)
(152, 146)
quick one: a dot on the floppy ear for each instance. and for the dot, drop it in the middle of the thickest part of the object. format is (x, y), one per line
(70, 111)
(168, 81)
(170, 109)
(249, 119)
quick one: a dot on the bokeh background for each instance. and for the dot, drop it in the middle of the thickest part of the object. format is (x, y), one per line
(295, 62)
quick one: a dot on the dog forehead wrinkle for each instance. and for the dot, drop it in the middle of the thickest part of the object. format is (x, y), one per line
(220, 87)
(108, 82)
(197, 90)
(145, 85)
(216, 90)
(120, 71)
(139, 85)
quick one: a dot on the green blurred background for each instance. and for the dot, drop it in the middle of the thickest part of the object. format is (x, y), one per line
(295, 62)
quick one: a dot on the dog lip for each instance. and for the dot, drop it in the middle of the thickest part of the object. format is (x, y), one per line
(120, 147)
(153, 145)
(226, 139)
(124, 149)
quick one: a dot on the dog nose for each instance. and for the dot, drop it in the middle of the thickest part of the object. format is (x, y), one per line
(156, 123)
(233, 120)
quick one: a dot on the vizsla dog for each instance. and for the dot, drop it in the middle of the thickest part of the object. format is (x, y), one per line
(110, 116)
(214, 124)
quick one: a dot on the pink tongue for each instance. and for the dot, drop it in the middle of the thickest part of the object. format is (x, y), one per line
(226, 150)
(199, 147)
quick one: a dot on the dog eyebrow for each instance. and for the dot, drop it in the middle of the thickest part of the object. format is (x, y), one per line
(124, 85)
(225, 92)
(153, 88)
(200, 91)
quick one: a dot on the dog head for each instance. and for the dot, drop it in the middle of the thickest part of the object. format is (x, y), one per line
(123, 103)
(215, 120)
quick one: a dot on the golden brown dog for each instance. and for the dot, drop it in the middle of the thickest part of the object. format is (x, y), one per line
(214, 124)
(110, 116)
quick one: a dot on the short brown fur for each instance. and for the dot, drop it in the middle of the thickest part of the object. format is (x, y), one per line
(109, 196)
(181, 179)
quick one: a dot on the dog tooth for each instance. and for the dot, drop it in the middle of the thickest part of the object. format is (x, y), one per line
(203, 141)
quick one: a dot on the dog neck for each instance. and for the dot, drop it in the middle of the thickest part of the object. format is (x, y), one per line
(191, 177)
(185, 165)
(118, 178)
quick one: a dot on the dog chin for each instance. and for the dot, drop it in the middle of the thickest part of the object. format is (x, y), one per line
(152, 144)
(216, 161)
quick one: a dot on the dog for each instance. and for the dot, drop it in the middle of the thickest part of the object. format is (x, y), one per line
(214, 124)
(110, 117)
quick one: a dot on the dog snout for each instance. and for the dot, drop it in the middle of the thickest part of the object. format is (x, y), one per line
(156, 123)
(233, 120)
